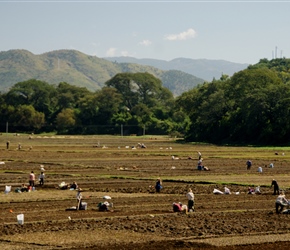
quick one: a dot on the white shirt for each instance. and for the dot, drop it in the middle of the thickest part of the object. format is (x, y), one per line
(282, 200)
(227, 191)
(79, 196)
(190, 196)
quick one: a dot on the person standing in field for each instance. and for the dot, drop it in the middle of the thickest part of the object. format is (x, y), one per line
(41, 179)
(249, 164)
(79, 198)
(190, 197)
(276, 186)
(199, 155)
(31, 179)
(158, 185)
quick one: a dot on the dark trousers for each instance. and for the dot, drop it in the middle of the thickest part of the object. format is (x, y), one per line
(278, 205)
(41, 181)
(276, 190)
(190, 204)
(31, 183)
(79, 205)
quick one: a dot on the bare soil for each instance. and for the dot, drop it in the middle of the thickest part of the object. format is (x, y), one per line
(140, 218)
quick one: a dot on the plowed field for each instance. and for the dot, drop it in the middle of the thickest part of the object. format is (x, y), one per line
(140, 218)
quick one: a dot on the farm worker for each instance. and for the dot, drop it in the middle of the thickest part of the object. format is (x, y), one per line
(24, 188)
(249, 164)
(227, 191)
(31, 179)
(104, 206)
(276, 186)
(257, 190)
(178, 207)
(281, 201)
(74, 185)
(63, 185)
(7, 144)
(251, 190)
(199, 164)
(158, 185)
(190, 197)
(79, 198)
(271, 165)
(41, 179)
(199, 155)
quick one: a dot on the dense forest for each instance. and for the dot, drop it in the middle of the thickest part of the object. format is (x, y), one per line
(251, 107)
(136, 101)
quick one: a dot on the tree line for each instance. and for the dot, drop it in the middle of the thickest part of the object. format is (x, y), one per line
(251, 107)
(133, 100)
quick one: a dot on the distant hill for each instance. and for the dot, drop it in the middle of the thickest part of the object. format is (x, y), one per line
(79, 69)
(203, 68)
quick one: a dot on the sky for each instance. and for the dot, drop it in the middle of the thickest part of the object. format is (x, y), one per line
(236, 31)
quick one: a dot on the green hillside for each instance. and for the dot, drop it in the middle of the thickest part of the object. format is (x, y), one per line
(80, 69)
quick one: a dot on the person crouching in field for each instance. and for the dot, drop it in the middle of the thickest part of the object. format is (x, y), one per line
(178, 207)
(104, 206)
(74, 185)
(24, 188)
(281, 202)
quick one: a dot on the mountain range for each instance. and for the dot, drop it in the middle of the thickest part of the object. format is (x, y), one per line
(201, 68)
(77, 68)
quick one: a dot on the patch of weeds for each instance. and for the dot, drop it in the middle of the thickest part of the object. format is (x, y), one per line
(13, 172)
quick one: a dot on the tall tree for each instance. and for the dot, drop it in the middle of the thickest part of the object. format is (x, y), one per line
(140, 88)
(65, 119)
(109, 102)
(27, 117)
(39, 94)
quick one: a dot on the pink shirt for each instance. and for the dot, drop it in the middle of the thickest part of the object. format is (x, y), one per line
(32, 177)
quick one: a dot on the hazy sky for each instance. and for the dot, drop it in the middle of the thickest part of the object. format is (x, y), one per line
(237, 31)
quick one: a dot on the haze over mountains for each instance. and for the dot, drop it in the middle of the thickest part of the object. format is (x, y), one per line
(77, 68)
(202, 68)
